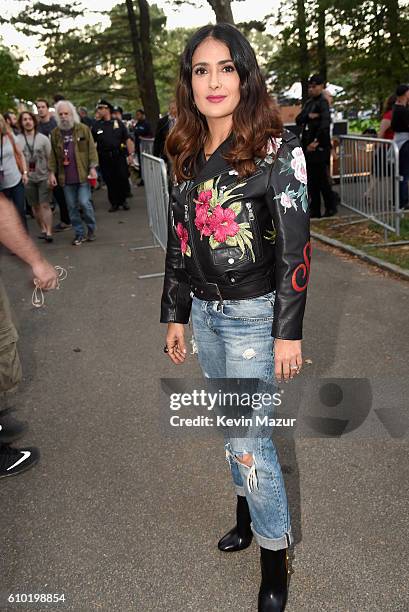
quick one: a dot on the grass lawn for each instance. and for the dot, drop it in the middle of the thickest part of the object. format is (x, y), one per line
(360, 235)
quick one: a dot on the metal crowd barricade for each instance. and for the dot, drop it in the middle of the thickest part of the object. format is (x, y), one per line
(145, 146)
(369, 179)
(157, 199)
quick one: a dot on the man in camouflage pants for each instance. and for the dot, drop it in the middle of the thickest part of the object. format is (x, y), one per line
(12, 235)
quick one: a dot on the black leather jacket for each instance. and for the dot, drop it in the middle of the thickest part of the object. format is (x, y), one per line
(233, 238)
(318, 128)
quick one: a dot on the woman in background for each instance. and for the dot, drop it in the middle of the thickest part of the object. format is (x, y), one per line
(13, 170)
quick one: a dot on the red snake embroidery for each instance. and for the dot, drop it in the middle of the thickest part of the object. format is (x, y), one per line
(305, 269)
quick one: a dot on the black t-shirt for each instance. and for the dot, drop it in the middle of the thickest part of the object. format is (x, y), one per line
(400, 118)
(47, 127)
(110, 136)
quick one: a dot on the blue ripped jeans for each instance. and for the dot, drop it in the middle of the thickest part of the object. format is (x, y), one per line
(234, 341)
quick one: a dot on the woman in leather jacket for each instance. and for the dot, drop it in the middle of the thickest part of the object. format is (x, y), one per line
(238, 263)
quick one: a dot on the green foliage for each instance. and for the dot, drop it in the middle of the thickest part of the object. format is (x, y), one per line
(12, 84)
(358, 126)
(366, 49)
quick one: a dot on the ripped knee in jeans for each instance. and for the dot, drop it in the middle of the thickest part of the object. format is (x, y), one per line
(248, 461)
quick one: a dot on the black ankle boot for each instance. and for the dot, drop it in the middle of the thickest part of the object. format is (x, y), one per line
(274, 580)
(241, 535)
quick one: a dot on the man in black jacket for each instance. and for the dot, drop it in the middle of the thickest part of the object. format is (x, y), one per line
(165, 124)
(316, 143)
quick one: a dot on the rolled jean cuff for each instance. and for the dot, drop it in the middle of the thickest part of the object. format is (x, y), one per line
(240, 490)
(273, 544)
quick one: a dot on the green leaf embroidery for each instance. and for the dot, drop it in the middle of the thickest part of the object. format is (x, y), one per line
(231, 240)
(240, 242)
(247, 241)
(188, 251)
(236, 207)
(270, 235)
(213, 242)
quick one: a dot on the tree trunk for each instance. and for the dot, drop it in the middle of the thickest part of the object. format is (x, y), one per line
(392, 26)
(142, 59)
(222, 9)
(149, 96)
(322, 47)
(303, 59)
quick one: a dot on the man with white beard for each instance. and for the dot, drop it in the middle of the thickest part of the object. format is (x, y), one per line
(73, 160)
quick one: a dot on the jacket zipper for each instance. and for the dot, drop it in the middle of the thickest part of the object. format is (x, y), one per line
(254, 226)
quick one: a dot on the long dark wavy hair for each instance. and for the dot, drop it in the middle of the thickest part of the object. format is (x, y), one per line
(255, 119)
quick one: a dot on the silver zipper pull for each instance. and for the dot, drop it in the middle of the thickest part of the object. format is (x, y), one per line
(186, 212)
(250, 209)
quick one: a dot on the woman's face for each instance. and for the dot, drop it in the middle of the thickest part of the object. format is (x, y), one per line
(215, 82)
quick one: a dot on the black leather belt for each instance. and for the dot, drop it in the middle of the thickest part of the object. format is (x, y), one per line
(212, 291)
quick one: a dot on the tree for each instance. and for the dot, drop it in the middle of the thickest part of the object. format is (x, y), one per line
(321, 39)
(141, 41)
(91, 62)
(303, 58)
(222, 10)
(12, 85)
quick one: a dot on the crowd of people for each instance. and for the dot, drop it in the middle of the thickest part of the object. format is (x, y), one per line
(54, 159)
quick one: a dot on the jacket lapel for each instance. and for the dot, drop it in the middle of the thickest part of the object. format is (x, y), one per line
(214, 166)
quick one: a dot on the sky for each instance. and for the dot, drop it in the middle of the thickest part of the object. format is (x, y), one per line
(189, 16)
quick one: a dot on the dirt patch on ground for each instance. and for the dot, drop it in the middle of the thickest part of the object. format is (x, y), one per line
(365, 233)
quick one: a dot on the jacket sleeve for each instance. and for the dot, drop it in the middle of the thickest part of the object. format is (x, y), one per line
(176, 300)
(92, 149)
(288, 204)
(324, 123)
(52, 160)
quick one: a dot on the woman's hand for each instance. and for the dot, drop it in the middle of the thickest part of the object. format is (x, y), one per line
(24, 177)
(288, 358)
(175, 341)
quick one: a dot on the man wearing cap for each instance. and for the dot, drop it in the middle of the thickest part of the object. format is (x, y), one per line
(115, 152)
(400, 125)
(316, 142)
(117, 112)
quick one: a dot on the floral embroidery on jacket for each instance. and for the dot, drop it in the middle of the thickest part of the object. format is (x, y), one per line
(183, 236)
(297, 167)
(217, 221)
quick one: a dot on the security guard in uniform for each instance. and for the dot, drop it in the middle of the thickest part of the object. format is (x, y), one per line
(115, 152)
(314, 120)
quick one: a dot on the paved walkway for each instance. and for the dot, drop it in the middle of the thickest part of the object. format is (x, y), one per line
(121, 518)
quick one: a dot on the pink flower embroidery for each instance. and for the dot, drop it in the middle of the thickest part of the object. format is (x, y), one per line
(205, 197)
(298, 165)
(183, 236)
(287, 202)
(201, 216)
(222, 224)
(273, 145)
